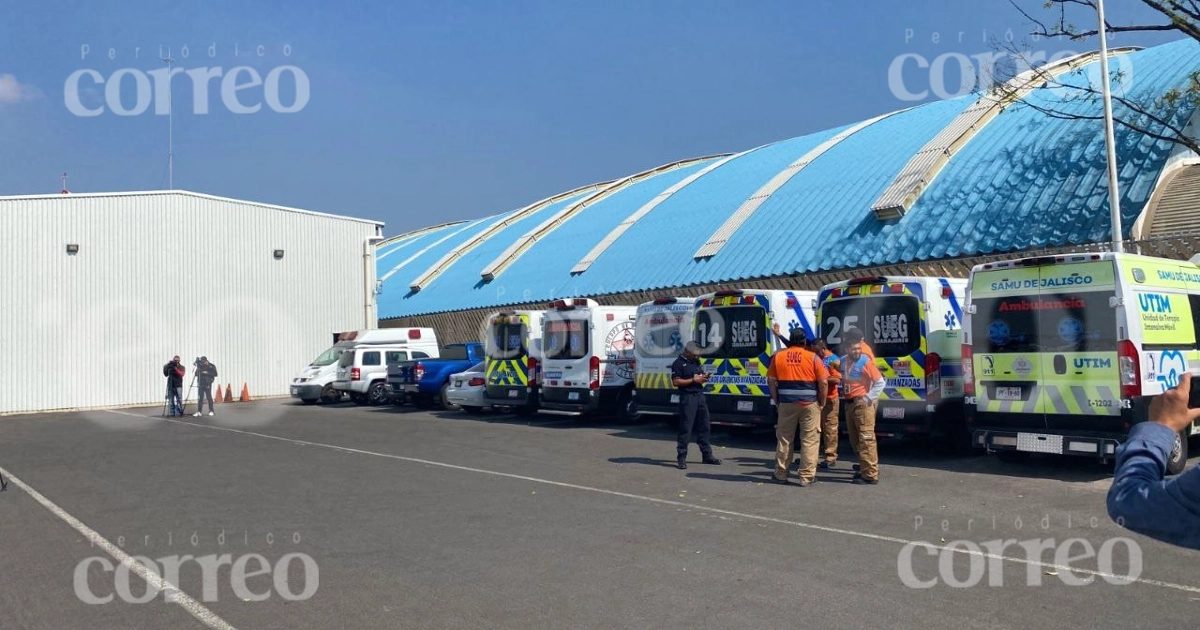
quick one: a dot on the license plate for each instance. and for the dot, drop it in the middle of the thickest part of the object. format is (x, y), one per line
(745, 405)
(896, 413)
(512, 393)
(674, 398)
(458, 383)
(295, 390)
(1008, 393)
(573, 396)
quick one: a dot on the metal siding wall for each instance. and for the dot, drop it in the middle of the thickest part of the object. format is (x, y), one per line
(164, 274)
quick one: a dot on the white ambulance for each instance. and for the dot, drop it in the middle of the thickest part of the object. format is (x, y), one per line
(913, 325)
(662, 328)
(1065, 353)
(513, 343)
(588, 358)
(735, 331)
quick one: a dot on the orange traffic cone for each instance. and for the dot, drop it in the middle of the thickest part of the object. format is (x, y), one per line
(217, 397)
(228, 393)
(245, 394)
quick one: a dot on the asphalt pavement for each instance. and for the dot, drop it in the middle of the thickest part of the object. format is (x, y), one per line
(360, 517)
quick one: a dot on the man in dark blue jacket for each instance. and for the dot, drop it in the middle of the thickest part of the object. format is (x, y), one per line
(1140, 499)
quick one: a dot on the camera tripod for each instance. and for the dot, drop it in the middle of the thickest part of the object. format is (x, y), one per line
(182, 402)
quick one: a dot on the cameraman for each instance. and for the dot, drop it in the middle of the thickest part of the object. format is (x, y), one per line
(1140, 499)
(205, 373)
(174, 373)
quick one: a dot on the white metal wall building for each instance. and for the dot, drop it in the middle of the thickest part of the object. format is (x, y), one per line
(258, 289)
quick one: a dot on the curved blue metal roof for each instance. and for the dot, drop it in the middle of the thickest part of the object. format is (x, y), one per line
(1025, 180)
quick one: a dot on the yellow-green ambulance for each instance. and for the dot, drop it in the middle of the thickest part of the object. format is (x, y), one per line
(1062, 354)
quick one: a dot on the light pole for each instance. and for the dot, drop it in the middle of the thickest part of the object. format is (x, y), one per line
(1114, 198)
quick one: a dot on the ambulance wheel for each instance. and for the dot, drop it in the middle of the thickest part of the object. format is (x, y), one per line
(330, 396)
(627, 412)
(1177, 460)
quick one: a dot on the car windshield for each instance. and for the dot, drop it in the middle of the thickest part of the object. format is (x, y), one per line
(329, 357)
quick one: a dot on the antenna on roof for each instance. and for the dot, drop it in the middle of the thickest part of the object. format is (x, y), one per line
(170, 124)
(64, 184)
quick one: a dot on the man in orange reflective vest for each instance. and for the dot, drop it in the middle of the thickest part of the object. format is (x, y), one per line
(863, 384)
(797, 379)
(855, 336)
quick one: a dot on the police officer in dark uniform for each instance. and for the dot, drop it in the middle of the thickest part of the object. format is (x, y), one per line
(689, 378)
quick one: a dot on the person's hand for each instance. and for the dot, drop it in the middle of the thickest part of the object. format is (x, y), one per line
(775, 328)
(1171, 408)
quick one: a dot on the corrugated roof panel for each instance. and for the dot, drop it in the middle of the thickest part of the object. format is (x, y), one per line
(721, 236)
(392, 297)
(804, 224)
(443, 292)
(404, 244)
(648, 207)
(657, 251)
(538, 274)
(447, 260)
(1041, 181)
(554, 222)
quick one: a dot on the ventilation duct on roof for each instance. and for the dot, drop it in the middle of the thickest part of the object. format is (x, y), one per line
(589, 258)
(453, 255)
(522, 245)
(915, 177)
(748, 207)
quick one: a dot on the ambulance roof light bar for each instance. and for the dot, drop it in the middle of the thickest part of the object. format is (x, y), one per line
(564, 305)
(866, 280)
(666, 300)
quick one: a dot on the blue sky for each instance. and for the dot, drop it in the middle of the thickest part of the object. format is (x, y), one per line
(425, 112)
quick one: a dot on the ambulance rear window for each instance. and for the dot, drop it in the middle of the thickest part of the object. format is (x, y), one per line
(507, 340)
(735, 332)
(1047, 322)
(891, 324)
(565, 338)
(660, 335)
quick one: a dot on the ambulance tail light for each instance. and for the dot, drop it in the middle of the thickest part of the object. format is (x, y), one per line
(531, 370)
(1129, 367)
(968, 367)
(933, 377)
(594, 372)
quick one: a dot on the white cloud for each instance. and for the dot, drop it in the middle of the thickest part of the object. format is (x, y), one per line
(12, 91)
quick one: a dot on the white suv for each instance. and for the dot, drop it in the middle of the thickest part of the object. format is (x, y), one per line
(362, 372)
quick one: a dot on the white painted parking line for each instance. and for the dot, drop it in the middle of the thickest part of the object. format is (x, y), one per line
(173, 593)
(753, 517)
